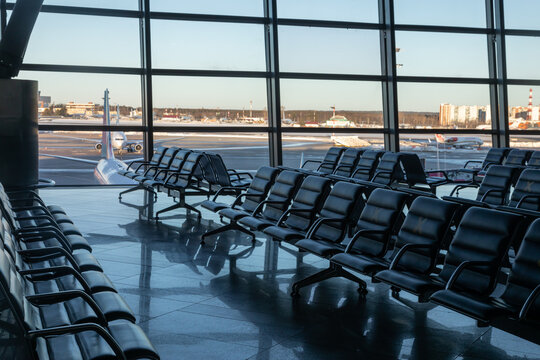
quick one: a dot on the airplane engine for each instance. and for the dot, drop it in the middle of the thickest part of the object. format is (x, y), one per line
(98, 146)
(138, 147)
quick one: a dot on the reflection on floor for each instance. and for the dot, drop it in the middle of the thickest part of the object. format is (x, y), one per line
(229, 300)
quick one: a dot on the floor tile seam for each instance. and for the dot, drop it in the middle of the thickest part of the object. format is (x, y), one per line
(157, 316)
(472, 344)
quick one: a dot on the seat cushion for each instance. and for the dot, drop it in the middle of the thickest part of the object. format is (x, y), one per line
(84, 260)
(113, 306)
(284, 234)
(56, 209)
(69, 229)
(480, 308)
(320, 247)
(413, 283)
(78, 242)
(213, 206)
(233, 214)
(255, 223)
(360, 263)
(132, 340)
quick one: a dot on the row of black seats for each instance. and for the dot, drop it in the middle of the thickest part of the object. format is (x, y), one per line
(184, 172)
(53, 291)
(418, 243)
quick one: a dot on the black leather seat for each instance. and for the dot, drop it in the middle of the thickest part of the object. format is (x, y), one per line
(520, 299)
(388, 170)
(245, 204)
(483, 235)
(163, 175)
(414, 173)
(262, 180)
(534, 160)
(329, 162)
(494, 189)
(46, 315)
(367, 164)
(280, 197)
(294, 223)
(232, 179)
(526, 194)
(422, 233)
(348, 162)
(136, 168)
(151, 171)
(379, 217)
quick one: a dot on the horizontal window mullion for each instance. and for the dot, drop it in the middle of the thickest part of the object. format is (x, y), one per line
(330, 24)
(326, 76)
(83, 69)
(72, 127)
(444, 29)
(444, 79)
(211, 73)
(448, 131)
(319, 130)
(523, 82)
(210, 129)
(208, 18)
(521, 32)
(78, 10)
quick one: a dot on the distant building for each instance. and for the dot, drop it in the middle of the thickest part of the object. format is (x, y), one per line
(450, 115)
(87, 109)
(339, 121)
(44, 102)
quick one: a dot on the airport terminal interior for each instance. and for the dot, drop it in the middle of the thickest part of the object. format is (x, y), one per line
(269, 179)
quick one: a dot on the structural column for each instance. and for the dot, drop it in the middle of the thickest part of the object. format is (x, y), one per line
(388, 70)
(273, 83)
(146, 78)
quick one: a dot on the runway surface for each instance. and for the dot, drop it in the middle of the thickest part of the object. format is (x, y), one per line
(240, 151)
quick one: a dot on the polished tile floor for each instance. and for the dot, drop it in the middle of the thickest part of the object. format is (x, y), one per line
(229, 300)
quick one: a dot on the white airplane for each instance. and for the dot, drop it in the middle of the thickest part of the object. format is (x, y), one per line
(459, 141)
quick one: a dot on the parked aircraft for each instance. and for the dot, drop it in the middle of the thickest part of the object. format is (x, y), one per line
(459, 141)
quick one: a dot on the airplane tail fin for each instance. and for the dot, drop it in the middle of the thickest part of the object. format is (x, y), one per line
(440, 138)
(106, 150)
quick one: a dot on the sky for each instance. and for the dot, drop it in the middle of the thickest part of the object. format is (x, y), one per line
(106, 41)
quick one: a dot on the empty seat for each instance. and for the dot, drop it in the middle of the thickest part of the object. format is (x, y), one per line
(367, 164)
(329, 162)
(347, 163)
(388, 170)
(138, 167)
(526, 194)
(520, 299)
(294, 223)
(534, 160)
(484, 235)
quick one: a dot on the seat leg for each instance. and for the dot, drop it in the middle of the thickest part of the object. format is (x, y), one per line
(192, 208)
(135, 188)
(362, 285)
(167, 209)
(315, 278)
(231, 226)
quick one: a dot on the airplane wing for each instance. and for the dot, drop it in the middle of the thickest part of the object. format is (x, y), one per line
(93, 162)
(167, 140)
(78, 138)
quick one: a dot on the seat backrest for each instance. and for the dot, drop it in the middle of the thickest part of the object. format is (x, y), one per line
(497, 181)
(380, 213)
(309, 196)
(528, 184)
(283, 190)
(259, 187)
(534, 160)
(367, 164)
(517, 157)
(426, 223)
(158, 154)
(330, 160)
(220, 175)
(342, 203)
(165, 161)
(348, 162)
(176, 164)
(495, 156)
(413, 168)
(525, 273)
(483, 235)
(388, 170)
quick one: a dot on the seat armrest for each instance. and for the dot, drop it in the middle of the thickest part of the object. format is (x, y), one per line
(54, 272)
(310, 161)
(74, 329)
(47, 253)
(445, 174)
(239, 197)
(530, 196)
(61, 296)
(292, 211)
(259, 207)
(531, 299)
(489, 192)
(403, 250)
(319, 222)
(381, 172)
(357, 236)
(37, 217)
(39, 233)
(464, 265)
(222, 190)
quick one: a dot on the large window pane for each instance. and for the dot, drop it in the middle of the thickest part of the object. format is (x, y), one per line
(531, 142)
(114, 4)
(522, 53)
(297, 148)
(241, 151)
(84, 40)
(68, 98)
(323, 50)
(520, 116)
(446, 151)
(71, 158)
(439, 12)
(440, 54)
(322, 103)
(340, 10)
(449, 106)
(217, 7)
(209, 46)
(521, 14)
(209, 101)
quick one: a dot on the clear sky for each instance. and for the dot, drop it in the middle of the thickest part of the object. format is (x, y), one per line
(90, 40)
